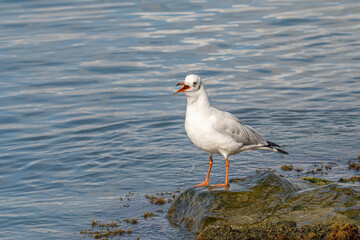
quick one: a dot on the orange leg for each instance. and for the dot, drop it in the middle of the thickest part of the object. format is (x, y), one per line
(227, 176)
(206, 183)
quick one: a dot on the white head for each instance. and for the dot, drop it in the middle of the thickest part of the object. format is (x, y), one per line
(191, 84)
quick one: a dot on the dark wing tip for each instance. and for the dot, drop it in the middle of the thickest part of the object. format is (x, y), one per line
(281, 151)
(276, 146)
(272, 144)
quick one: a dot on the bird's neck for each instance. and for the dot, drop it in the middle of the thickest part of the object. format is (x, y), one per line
(198, 100)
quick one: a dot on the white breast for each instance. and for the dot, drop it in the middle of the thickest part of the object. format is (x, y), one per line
(200, 128)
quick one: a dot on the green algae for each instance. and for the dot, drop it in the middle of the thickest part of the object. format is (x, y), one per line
(317, 181)
(350, 180)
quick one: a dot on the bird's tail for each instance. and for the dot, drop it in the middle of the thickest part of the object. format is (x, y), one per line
(275, 148)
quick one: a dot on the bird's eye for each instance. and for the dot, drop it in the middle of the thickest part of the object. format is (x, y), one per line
(194, 84)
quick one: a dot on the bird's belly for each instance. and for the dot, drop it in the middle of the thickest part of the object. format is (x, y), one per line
(206, 144)
(210, 141)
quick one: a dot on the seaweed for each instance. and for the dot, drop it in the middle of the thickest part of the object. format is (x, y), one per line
(287, 167)
(101, 230)
(148, 214)
(353, 165)
(317, 181)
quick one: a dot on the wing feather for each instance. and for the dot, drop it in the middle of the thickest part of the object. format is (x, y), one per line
(229, 125)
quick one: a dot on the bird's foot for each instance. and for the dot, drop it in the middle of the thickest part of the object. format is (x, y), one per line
(204, 184)
(226, 185)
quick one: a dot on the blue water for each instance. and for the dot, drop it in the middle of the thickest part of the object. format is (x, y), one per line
(87, 112)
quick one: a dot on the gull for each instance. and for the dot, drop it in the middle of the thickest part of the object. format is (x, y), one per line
(216, 131)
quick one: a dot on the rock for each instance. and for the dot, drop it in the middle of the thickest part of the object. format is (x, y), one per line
(267, 205)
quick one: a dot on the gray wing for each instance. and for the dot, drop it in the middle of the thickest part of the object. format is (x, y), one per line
(229, 125)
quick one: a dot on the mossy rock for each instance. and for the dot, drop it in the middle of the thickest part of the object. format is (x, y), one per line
(263, 201)
(281, 230)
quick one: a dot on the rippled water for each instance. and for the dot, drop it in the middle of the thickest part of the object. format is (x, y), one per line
(87, 112)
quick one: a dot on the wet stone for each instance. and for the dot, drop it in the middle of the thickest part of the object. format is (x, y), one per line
(269, 204)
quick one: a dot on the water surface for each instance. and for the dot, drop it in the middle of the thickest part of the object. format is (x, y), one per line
(87, 112)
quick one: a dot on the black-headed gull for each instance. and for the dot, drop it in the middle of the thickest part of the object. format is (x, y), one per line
(215, 131)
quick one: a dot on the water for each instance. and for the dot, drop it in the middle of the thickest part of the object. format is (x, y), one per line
(87, 112)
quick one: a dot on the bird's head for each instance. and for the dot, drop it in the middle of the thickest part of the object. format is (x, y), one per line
(192, 83)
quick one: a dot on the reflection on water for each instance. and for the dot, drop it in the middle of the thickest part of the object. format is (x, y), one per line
(87, 112)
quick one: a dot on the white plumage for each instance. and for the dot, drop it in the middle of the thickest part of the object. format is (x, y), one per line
(217, 131)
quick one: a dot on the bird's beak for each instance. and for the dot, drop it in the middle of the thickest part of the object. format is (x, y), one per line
(184, 87)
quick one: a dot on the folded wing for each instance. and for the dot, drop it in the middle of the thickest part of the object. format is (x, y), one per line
(229, 125)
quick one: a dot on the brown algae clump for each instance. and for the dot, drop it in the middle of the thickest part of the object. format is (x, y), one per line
(110, 224)
(150, 198)
(132, 221)
(101, 230)
(97, 234)
(327, 167)
(160, 198)
(148, 214)
(120, 227)
(317, 181)
(155, 200)
(348, 231)
(355, 166)
(287, 167)
(160, 201)
(352, 179)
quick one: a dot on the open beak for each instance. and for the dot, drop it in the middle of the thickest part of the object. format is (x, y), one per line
(183, 88)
